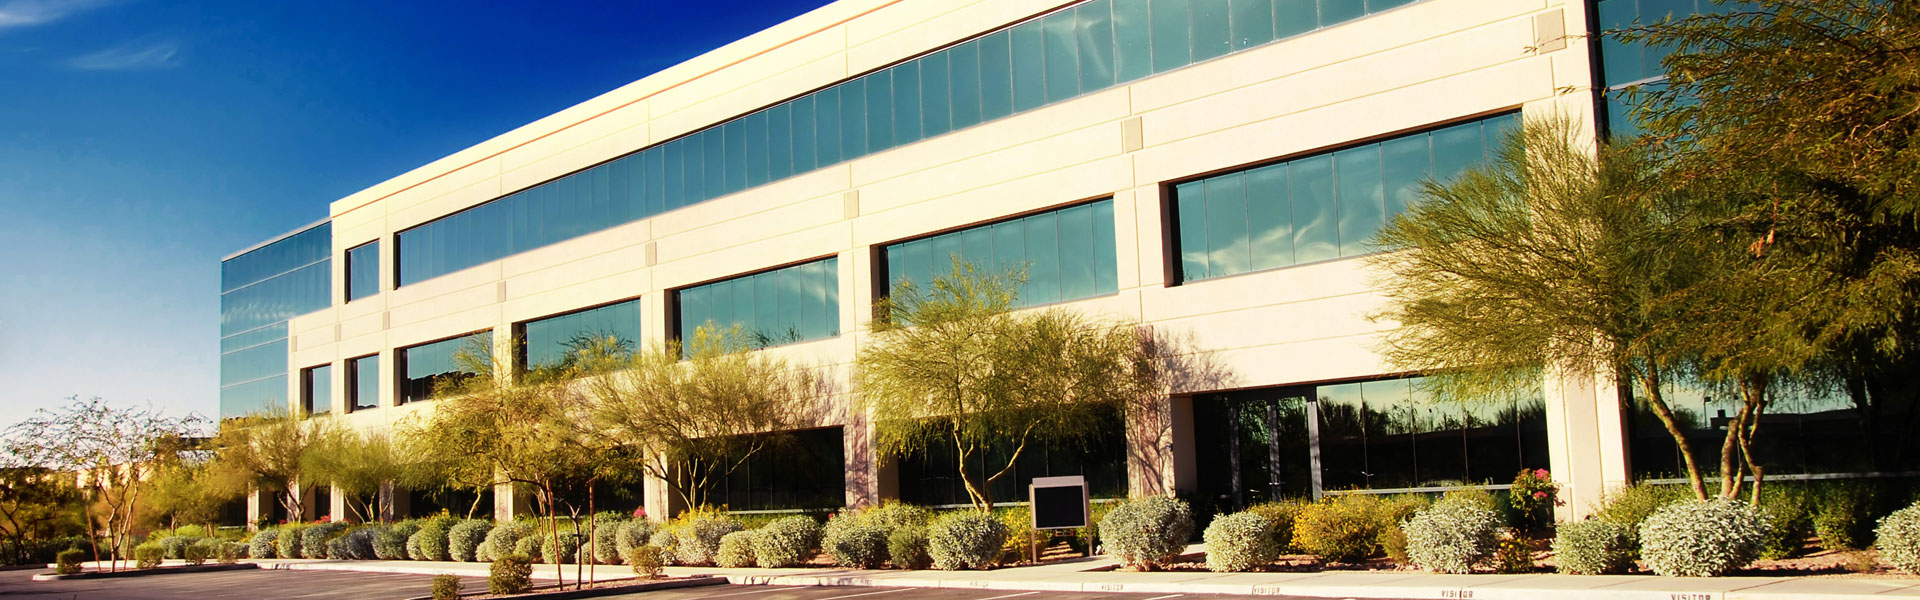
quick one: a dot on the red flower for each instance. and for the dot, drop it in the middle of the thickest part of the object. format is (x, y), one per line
(1541, 473)
(1540, 495)
(640, 512)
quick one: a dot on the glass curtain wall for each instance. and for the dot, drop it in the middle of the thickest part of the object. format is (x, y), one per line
(548, 343)
(805, 470)
(428, 365)
(259, 291)
(782, 306)
(1068, 254)
(363, 271)
(1625, 66)
(932, 478)
(1318, 207)
(316, 390)
(1804, 431)
(1068, 53)
(363, 383)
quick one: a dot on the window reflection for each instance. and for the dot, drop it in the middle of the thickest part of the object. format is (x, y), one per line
(1068, 253)
(786, 305)
(427, 366)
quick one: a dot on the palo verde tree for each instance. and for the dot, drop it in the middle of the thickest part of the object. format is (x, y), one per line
(1803, 116)
(111, 452)
(955, 365)
(36, 504)
(357, 463)
(191, 487)
(269, 450)
(699, 410)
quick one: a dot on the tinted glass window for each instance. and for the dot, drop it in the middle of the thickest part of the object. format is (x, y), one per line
(363, 271)
(260, 290)
(317, 390)
(426, 366)
(1068, 253)
(363, 382)
(547, 343)
(786, 305)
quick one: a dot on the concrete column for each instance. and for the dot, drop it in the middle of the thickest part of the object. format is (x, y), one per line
(339, 508)
(1160, 448)
(510, 501)
(259, 506)
(863, 465)
(661, 502)
(1586, 441)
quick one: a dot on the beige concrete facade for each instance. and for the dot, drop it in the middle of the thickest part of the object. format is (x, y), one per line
(1424, 64)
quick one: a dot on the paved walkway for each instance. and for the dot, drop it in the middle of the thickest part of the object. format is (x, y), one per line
(1082, 576)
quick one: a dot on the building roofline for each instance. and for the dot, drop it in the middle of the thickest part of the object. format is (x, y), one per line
(271, 240)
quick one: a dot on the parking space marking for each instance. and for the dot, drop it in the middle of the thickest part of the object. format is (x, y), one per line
(867, 594)
(1011, 595)
(1166, 597)
(760, 591)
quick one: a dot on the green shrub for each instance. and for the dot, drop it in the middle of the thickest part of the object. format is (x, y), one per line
(511, 574)
(1532, 498)
(313, 539)
(464, 538)
(1240, 541)
(1898, 539)
(391, 543)
(963, 540)
(289, 542)
(192, 531)
(1788, 523)
(786, 542)
(446, 587)
(1632, 505)
(1454, 536)
(606, 538)
(231, 552)
(907, 547)
(894, 514)
(501, 539)
(1842, 521)
(355, 544)
(1021, 536)
(1148, 532)
(262, 545)
(647, 561)
(68, 561)
(198, 552)
(174, 547)
(1513, 554)
(1280, 515)
(148, 555)
(1702, 538)
(1392, 511)
(667, 539)
(568, 551)
(430, 542)
(855, 541)
(1343, 528)
(736, 551)
(703, 530)
(1593, 547)
(633, 534)
(529, 547)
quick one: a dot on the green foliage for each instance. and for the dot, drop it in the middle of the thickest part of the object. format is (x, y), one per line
(1702, 538)
(263, 544)
(1343, 528)
(1593, 547)
(148, 555)
(463, 540)
(230, 552)
(313, 539)
(1392, 511)
(511, 574)
(907, 547)
(1842, 520)
(197, 552)
(446, 587)
(430, 542)
(1514, 554)
(647, 561)
(529, 546)
(736, 551)
(964, 539)
(1533, 497)
(391, 543)
(501, 539)
(606, 538)
(700, 532)
(667, 539)
(786, 542)
(856, 541)
(69, 560)
(567, 553)
(1455, 535)
(1632, 505)
(175, 547)
(192, 531)
(894, 514)
(1148, 532)
(633, 534)
(1241, 541)
(290, 542)
(1898, 539)
(1789, 522)
(1280, 516)
(355, 543)
(997, 378)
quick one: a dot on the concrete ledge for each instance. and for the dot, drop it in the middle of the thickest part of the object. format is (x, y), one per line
(164, 570)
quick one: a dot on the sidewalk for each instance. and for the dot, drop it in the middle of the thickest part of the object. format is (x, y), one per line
(1075, 576)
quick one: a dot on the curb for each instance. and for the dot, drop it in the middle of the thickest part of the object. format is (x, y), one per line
(144, 572)
(695, 581)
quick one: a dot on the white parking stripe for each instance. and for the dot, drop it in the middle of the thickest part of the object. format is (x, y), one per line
(759, 591)
(1011, 595)
(1165, 597)
(866, 594)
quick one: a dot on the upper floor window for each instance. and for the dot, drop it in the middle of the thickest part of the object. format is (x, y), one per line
(785, 305)
(549, 342)
(363, 382)
(363, 271)
(316, 390)
(426, 366)
(1067, 253)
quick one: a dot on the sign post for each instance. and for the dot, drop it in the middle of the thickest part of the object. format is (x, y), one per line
(1058, 503)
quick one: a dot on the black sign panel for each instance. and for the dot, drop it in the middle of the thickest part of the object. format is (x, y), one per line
(1059, 507)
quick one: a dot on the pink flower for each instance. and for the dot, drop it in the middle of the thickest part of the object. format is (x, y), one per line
(1540, 495)
(1540, 473)
(640, 512)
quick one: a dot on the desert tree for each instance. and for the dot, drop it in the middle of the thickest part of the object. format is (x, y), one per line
(357, 463)
(36, 503)
(270, 450)
(953, 364)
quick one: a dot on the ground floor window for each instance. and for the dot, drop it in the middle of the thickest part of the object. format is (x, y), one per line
(804, 469)
(932, 477)
(1802, 432)
(1376, 436)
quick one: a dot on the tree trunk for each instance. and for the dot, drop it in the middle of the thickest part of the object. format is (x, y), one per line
(1650, 381)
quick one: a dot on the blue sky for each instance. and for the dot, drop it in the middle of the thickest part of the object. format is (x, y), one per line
(142, 140)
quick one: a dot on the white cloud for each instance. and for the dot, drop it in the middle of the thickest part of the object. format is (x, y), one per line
(27, 13)
(129, 57)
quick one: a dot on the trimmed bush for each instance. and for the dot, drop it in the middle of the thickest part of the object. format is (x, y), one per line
(667, 539)
(192, 531)
(501, 538)
(355, 544)
(174, 547)
(786, 542)
(1702, 538)
(68, 561)
(647, 561)
(262, 545)
(1633, 504)
(567, 553)
(1898, 539)
(313, 540)
(965, 540)
(230, 552)
(1593, 547)
(391, 543)
(528, 547)
(1842, 521)
(511, 574)
(1280, 515)
(633, 534)
(855, 541)
(289, 543)
(1788, 523)
(1339, 529)
(201, 550)
(907, 548)
(606, 538)
(464, 538)
(1453, 536)
(430, 541)
(1241, 541)
(894, 514)
(148, 555)
(736, 551)
(1146, 533)
(702, 540)
(446, 587)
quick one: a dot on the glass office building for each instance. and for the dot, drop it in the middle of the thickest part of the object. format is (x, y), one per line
(260, 289)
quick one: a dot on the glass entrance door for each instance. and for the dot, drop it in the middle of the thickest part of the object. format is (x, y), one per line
(1254, 447)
